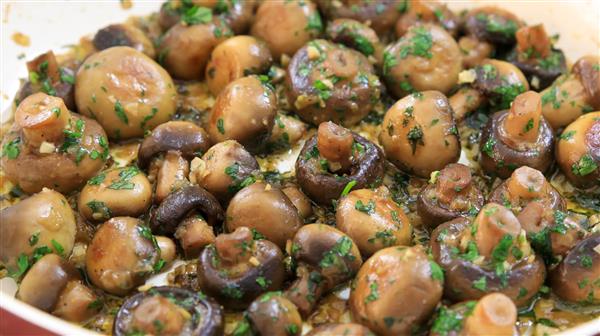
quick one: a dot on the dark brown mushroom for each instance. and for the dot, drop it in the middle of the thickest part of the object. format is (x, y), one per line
(355, 35)
(326, 257)
(576, 278)
(492, 24)
(169, 214)
(490, 254)
(273, 314)
(382, 14)
(188, 138)
(346, 329)
(238, 268)
(517, 137)
(123, 35)
(588, 71)
(452, 194)
(396, 290)
(237, 14)
(335, 157)
(169, 311)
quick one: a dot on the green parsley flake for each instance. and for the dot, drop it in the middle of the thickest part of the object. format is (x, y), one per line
(585, 166)
(120, 111)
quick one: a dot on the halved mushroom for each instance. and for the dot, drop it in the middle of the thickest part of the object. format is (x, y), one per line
(117, 192)
(273, 314)
(490, 254)
(419, 11)
(381, 14)
(578, 151)
(123, 35)
(286, 25)
(121, 255)
(266, 209)
(46, 134)
(327, 81)
(169, 311)
(492, 24)
(126, 91)
(244, 111)
(389, 280)
(334, 157)
(347, 329)
(326, 257)
(238, 268)
(35, 226)
(425, 58)
(573, 94)
(172, 175)
(373, 220)
(452, 194)
(355, 35)
(576, 278)
(419, 135)
(235, 58)
(517, 137)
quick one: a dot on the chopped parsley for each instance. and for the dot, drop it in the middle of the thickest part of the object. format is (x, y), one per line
(446, 321)
(415, 136)
(11, 149)
(567, 135)
(347, 188)
(362, 44)
(373, 295)
(585, 166)
(341, 249)
(386, 237)
(314, 23)
(323, 91)
(99, 208)
(528, 126)
(34, 238)
(220, 126)
(263, 282)
(480, 284)
(58, 248)
(488, 147)
(96, 180)
(196, 14)
(124, 181)
(368, 208)
(147, 118)
(389, 61)
(436, 271)
(586, 261)
(120, 111)
(419, 45)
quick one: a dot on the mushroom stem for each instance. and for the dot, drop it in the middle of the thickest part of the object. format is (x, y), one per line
(335, 144)
(527, 183)
(465, 101)
(522, 124)
(45, 66)
(533, 42)
(235, 247)
(493, 223)
(494, 314)
(306, 290)
(42, 118)
(452, 181)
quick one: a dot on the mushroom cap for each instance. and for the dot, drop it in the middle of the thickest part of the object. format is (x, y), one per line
(273, 314)
(123, 35)
(382, 14)
(586, 69)
(477, 23)
(545, 75)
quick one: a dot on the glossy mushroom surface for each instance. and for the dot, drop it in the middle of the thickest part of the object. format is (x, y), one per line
(382, 14)
(492, 24)
(273, 314)
(355, 35)
(123, 35)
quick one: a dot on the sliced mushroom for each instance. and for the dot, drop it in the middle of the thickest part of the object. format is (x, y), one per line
(273, 314)
(123, 35)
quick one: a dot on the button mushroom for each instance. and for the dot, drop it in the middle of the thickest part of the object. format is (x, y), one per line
(46, 134)
(121, 254)
(452, 194)
(117, 192)
(578, 151)
(286, 132)
(419, 135)
(395, 290)
(123, 35)
(286, 25)
(491, 254)
(492, 24)
(326, 257)
(238, 268)
(235, 58)
(427, 11)
(474, 51)
(35, 226)
(300, 201)
(266, 209)
(169, 311)
(77, 302)
(381, 14)
(335, 157)
(355, 35)
(125, 90)
(347, 329)
(573, 94)
(244, 111)
(425, 58)
(237, 14)
(517, 137)
(373, 220)
(273, 314)
(328, 81)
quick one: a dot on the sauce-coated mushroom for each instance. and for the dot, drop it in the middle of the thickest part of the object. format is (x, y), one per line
(418, 133)
(123, 35)
(237, 14)
(273, 314)
(355, 35)
(492, 24)
(427, 11)
(381, 14)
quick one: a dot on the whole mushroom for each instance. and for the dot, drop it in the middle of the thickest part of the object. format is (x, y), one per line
(381, 14)
(123, 35)
(492, 24)
(273, 314)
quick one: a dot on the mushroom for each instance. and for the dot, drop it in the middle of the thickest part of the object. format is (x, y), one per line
(172, 175)
(425, 58)
(349, 329)
(573, 94)
(452, 193)
(45, 75)
(427, 11)
(517, 137)
(35, 226)
(286, 25)
(536, 57)
(355, 35)
(300, 200)
(238, 268)
(126, 91)
(578, 151)
(186, 137)
(46, 134)
(235, 58)
(121, 255)
(273, 314)
(168, 250)
(287, 131)
(123, 35)
(326, 257)
(244, 111)
(419, 135)
(576, 277)
(122, 191)
(185, 48)
(381, 14)
(474, 51)
(224, 169)
(373, 220)
(236, 14)
(388, 283)
(194, 234)
(266, 209)
(490, 254)
(335, 157)
(169, 311)
(327, 81)
(177, 205)
(77, 302)
(492, 24)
